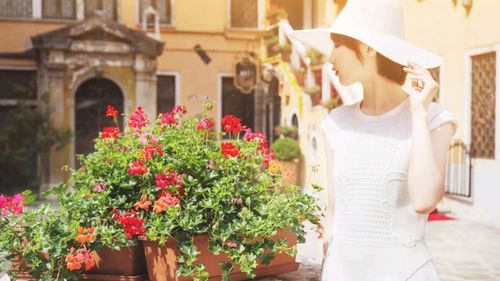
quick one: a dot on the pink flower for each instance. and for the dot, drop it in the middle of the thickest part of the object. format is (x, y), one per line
(99, 187)
(4, 202)
(165, 201)
(205, 124)
(232, 244)
(144, 137)
(211, 164)
(138, 120)
(181, 109)
(11, 204)
(168, 119)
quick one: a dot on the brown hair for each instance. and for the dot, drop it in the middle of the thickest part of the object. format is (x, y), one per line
(385, 67)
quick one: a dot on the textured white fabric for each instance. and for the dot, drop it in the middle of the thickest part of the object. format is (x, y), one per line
(377, 235)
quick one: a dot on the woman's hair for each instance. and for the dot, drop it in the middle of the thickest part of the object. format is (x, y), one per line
(385, 67)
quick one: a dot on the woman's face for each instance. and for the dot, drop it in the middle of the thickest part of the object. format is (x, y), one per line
(347, 65)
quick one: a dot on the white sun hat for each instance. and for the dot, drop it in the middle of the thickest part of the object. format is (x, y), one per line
(377, 23)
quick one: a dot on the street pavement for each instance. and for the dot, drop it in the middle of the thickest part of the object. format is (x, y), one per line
(462, 250)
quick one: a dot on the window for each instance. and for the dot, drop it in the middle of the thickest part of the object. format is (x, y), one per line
(483, 77)
(162, 7)
(16, 8)
(165, 93)
(108, 7)
(59, 9)
(244, 13)
(17, 84)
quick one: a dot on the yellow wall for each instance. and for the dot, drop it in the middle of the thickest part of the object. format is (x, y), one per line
(446, 29)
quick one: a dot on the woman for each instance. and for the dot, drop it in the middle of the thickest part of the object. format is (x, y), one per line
(389, 150)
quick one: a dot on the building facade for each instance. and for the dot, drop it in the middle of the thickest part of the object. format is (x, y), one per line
(86, 54)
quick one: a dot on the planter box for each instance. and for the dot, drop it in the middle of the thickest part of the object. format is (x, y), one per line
(162, 265)
(128, 263)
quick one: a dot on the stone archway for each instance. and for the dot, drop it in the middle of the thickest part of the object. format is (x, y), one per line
(91, 100)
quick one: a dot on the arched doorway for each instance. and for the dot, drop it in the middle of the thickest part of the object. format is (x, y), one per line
(92, 98)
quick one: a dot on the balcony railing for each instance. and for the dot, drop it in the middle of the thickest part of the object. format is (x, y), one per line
(458, 170)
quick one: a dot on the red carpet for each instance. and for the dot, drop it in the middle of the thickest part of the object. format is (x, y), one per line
(437, 216)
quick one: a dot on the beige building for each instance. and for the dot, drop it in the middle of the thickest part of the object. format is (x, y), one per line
(152, 53)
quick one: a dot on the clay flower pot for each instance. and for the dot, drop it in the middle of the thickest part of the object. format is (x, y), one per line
(161, 260)
(128, 263)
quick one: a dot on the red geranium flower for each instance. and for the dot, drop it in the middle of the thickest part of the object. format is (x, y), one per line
(231, 124)
(111, 111)
(130, 223)
(229, 149)
(137, 168)
(150, 150)
(110, 132)
(165, 180)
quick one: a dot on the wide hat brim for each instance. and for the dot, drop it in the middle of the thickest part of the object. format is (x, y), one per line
(392, 47)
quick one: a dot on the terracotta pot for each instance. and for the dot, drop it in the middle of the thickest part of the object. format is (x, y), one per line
(128, 263)
(24, 275)
(162, 265)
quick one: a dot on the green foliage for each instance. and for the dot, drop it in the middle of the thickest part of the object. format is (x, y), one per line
(239, 202)
(39, 241)
(287, 131)
(27, 133)
(286, 149)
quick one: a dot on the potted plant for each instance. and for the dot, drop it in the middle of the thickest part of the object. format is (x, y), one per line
(287, 151)
(300, 75)
(44, 243)
(332, 103)
(315, 93)
(187, 192)
(287, 131)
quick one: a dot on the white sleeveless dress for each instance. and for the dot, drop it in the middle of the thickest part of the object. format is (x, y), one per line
(377, 235)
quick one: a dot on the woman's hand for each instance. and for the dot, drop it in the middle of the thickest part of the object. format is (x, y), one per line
(423, 88)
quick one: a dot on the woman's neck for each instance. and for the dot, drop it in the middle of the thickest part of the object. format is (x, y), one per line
(381, 95)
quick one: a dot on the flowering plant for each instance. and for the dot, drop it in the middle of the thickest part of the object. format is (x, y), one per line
(41, 241)
(174, 179)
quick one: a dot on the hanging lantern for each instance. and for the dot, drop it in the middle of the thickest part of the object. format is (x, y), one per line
(245, 73)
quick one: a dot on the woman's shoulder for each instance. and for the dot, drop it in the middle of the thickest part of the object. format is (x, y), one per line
(341, 113)
(438, 115)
